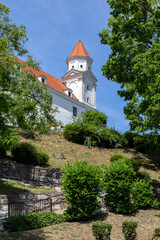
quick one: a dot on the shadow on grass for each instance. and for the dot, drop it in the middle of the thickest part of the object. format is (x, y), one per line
(8, 187)
(149, 161)
(23, 236)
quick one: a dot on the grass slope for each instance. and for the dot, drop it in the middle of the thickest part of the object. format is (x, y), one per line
(54, 144)
(147, 220)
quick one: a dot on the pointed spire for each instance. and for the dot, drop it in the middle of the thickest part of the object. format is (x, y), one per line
(79, 50)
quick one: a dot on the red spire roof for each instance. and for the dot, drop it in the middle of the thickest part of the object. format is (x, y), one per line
(79, 50)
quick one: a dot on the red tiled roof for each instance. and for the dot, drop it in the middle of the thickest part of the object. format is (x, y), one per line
(51, 81)
(79, 50)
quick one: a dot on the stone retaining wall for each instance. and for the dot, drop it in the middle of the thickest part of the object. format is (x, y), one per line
(31, 200)
(29, 174)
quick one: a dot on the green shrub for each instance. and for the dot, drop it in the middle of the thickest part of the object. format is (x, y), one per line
(95, 118)
(128, 137)
(118, 181)
(75, 132)
(135, 163)
(43, 129)
(117, 157)
(129, 230)
(42, 158)
(28, 154)
(156, 233)
(91, 135)
(81, 185)
(143, 176)
(109, 137)
(101, 230)
(142, 194)
(32, 221)
(147, 143)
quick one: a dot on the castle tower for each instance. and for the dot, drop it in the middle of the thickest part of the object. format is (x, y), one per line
(79, 78)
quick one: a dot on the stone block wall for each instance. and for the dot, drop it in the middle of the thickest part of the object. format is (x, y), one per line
(29, 174)
(31, 201)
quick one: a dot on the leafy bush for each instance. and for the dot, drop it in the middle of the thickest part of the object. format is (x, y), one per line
(156, 233)
(143, 176)
(109, 137)
(43, 129)
(142, 194)
(42, 158)
(91, 135)
(129, 230)
(32, 221)
(101, 230)
(128, 137)
(76, 132)
(117, 157)
(118, 180)
(81, 185)
(135, 163)
(95, 118)
(146, 143)
(28, 153)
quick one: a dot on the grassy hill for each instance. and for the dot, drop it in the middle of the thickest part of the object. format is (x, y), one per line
(54, 144)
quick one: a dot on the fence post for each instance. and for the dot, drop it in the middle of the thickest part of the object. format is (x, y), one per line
(8, 210)
(51, 204)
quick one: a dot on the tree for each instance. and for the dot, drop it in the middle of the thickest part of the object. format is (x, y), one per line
(133, 35)
(24, 102)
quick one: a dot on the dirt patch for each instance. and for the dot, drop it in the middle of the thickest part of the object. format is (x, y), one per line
(147, 220)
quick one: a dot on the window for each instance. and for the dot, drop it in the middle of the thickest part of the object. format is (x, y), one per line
(89, 68)
(74, 111)
(87, 87)
(69, 94)
(87, 99)
(72, 66)
(81, 66)
(43, 80)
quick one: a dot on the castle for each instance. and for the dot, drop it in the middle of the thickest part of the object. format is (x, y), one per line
(77, 90)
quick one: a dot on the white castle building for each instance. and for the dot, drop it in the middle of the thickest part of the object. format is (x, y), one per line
(77, 90)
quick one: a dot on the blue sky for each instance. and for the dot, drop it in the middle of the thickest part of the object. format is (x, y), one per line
(54, 27)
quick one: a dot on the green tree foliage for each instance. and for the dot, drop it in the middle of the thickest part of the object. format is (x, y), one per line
(25, 103)
(95, 118)
(81, 185)
(133, 34)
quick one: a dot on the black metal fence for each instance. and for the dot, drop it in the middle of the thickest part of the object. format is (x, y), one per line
(16, 209)
(22, 208)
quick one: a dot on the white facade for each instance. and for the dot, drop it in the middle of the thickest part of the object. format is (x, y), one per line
(81, 80)
(65, 106)
(81, 63)
(77, 92)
